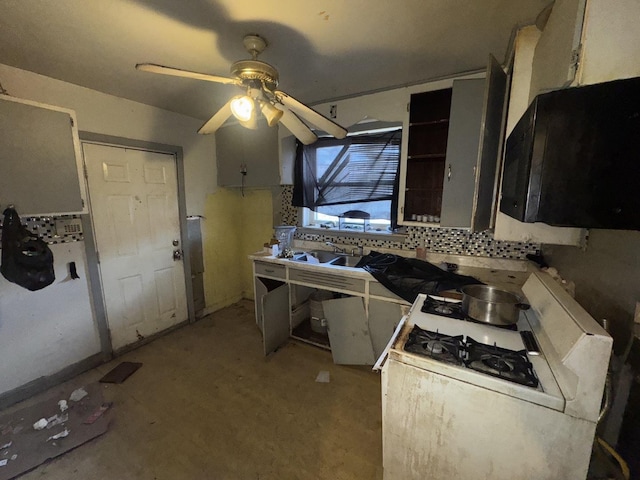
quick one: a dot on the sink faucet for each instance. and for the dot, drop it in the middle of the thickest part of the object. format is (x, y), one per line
(336, 249)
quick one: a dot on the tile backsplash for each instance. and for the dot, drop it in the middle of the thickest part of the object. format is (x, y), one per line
(452, 241)
(52, 233)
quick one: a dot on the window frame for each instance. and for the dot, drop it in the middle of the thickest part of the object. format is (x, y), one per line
(308, 217)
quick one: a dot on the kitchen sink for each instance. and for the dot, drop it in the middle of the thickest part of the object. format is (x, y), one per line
(327, 258)
(317, 256)
(346, 260)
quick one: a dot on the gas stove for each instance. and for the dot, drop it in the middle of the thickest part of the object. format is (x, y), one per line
(447, 381)
(504, 361)
(466, 352)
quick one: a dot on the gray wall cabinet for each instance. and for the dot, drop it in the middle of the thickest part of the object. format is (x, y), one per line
(40, 158)
(474, 139)
(474, 150)
(254, 152)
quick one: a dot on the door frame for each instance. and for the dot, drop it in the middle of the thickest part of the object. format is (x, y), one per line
(95, 279)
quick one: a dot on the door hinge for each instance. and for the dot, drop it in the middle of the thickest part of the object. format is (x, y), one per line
(84, 169)
(574, 63)
(71, 120)
(408, 104)
(98, 256)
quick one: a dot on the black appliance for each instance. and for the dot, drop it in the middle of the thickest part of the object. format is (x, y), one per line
(573, 159)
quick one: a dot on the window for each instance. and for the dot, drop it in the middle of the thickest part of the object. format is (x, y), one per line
(350, 184)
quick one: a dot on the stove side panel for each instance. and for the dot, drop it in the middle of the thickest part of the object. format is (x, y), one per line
(436, 427)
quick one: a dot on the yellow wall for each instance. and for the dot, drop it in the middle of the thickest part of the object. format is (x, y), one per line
(234, 227)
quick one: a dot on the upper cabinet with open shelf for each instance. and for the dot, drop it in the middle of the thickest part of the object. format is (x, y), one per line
(448, 171)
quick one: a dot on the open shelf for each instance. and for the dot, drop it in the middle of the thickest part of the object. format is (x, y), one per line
(443, 121)
(426, 153)
(304, 333)
(428, 156)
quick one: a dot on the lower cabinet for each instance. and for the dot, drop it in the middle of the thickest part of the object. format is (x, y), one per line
(272, 312)
(327, 310)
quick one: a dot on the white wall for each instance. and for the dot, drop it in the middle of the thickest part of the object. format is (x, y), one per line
(43, 332)
(561, 35)
(610, 41)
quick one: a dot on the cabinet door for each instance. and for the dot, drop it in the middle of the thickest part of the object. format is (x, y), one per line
(261, 156)
(229, 155)
(383, 319)
(255, 152)
(40, 158)
(348, 331)
(491, 142)
(474, 148)
(462, 152)
(275, 318)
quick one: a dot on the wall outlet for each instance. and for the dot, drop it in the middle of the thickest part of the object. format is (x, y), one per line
(68, 226)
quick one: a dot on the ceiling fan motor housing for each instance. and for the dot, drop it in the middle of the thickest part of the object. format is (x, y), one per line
(256, 70)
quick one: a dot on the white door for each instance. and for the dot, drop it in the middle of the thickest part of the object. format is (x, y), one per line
(134, 206)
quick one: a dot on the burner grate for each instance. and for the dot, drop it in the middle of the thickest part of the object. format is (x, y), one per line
(435, 345)
(500, 362)
(445, 308)
(467, 352)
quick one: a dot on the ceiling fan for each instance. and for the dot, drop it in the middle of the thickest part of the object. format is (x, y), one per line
(259, 80)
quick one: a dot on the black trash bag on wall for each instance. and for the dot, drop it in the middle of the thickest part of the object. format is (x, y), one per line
(26, 259)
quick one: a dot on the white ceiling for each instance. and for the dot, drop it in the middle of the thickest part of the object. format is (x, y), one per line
(323, 49)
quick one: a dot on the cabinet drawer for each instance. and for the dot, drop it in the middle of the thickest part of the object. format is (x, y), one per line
(380, 290)
(270, 270)
(328, 280)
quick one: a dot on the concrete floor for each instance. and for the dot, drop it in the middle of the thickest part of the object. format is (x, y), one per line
(206, 404)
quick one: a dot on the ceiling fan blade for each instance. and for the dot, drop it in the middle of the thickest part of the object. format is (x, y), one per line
(297, 127)
(215, 122)
(310, 115)
(176, 72)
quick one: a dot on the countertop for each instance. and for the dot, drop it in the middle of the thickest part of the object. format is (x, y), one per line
(490, 271)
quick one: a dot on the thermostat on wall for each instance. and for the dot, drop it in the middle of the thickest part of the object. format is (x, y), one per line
(68, 226)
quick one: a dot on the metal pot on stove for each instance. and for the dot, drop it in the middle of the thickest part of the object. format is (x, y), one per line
(488, 304)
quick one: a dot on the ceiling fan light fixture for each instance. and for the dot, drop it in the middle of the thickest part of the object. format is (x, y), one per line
(243, 108)
(259, 80)
(270, 113)
(251, 124)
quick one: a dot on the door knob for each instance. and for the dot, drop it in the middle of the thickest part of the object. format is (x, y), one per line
(177, 255)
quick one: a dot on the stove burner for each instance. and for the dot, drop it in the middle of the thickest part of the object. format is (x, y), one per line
(444, 309)
(453, 309)
(435, 345)
(497, 363)
(500, 362)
